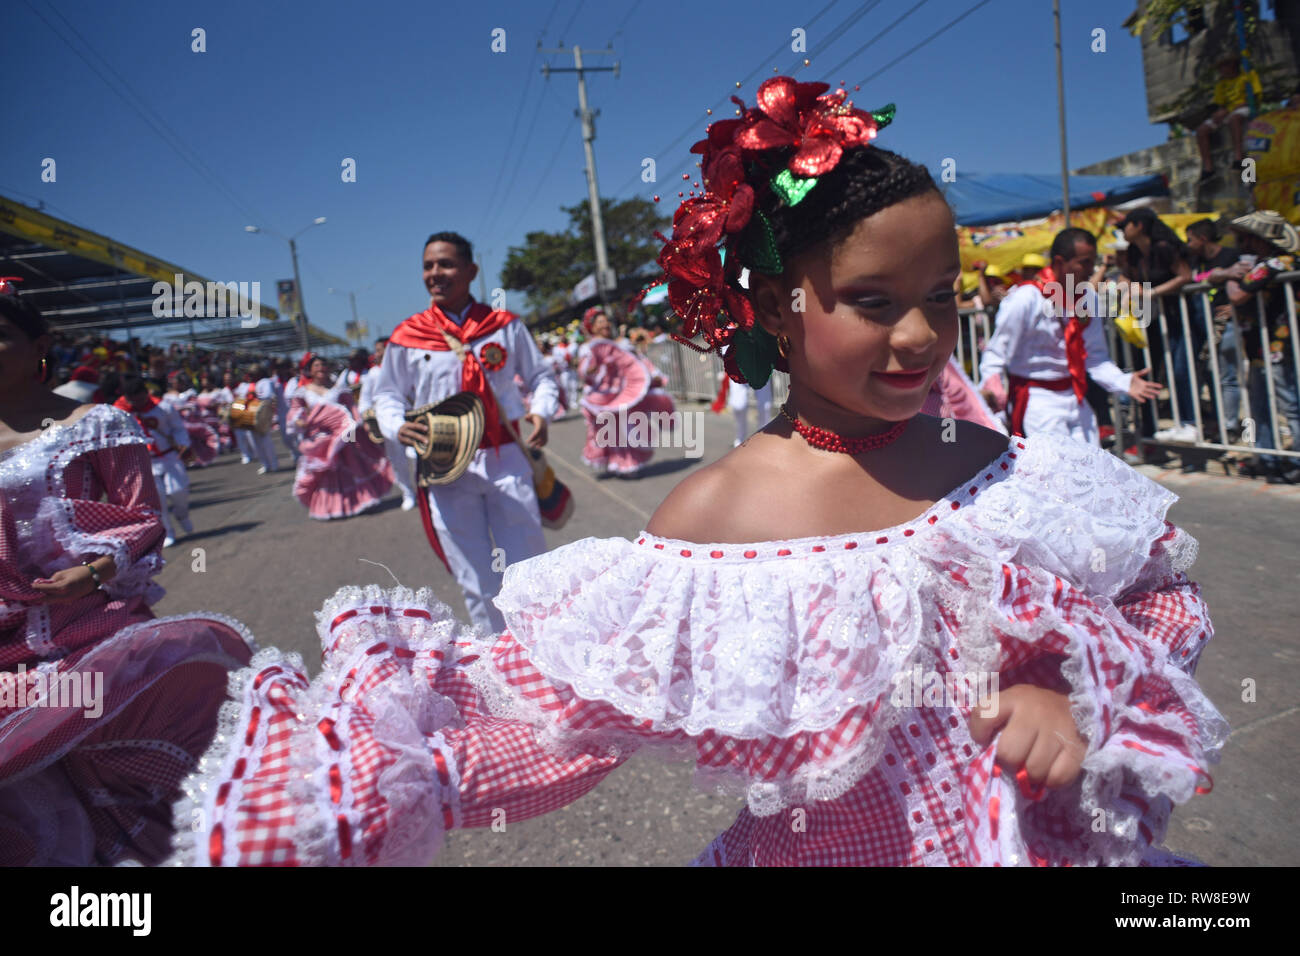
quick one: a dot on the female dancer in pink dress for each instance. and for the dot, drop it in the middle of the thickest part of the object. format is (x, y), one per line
(103, 708)
(901, 649)
(340, 472)
(608, 450)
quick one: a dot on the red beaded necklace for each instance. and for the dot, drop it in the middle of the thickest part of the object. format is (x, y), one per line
(829, 441)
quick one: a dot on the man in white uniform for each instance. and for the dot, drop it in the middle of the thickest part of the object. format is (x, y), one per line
(400, 456)
(1048, 348)
(169, 445)
(489, 516)
(283, 384)
(264, 444)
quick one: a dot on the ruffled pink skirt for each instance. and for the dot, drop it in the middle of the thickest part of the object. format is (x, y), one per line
(603, 451)
(92, 753)
(341, 472)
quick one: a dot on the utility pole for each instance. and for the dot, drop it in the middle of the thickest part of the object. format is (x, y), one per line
(301, 317)
(605, 280)
(1060, 109)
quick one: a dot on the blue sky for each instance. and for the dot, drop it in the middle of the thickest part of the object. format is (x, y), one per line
(447, 134)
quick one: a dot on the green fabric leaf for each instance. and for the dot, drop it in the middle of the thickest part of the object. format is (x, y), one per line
(758, 250)
(754, 357)
(885, 115)
(792, 188)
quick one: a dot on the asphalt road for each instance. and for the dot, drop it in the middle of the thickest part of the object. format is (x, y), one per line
(265, 562)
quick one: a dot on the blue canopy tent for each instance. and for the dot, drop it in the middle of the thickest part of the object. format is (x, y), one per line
(980, 199)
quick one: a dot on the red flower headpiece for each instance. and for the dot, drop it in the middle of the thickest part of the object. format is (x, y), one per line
(740, 173)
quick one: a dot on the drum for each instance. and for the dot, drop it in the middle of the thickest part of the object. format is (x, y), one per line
(253, 414)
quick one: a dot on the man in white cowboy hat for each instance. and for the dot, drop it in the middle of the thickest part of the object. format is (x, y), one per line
(489, 516)
(1267, 244)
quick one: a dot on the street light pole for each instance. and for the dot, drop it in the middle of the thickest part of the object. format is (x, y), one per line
(301, 318)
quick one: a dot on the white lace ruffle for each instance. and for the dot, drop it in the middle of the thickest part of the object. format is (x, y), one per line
(102, 427)
(406, 715)
(774, 639)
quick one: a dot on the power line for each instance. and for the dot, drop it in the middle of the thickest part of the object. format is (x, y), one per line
(862, 49)
(619, 30)
(141, 108)
(559, 149)
(572, 20)
(519, 111)
(694, 126)
(927, 40)
(519, 158)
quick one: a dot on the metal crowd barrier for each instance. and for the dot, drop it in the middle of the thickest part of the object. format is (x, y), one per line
(1265, 390)
(692, 375)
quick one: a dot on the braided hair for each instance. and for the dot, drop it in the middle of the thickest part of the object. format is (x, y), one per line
(865, 181)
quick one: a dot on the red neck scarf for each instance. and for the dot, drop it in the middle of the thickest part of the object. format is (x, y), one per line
(124, 403)
(424, 331)
(1076, 353)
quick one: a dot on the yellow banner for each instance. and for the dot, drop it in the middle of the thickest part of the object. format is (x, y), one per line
(1005, 246)
(31, 224)
(1273, 140)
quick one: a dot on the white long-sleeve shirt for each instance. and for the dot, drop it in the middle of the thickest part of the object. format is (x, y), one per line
(411, 377)
(166, 428)
(369, 381)
(1029, 342)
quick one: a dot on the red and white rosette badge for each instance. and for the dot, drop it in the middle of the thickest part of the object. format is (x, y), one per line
(493, 356)
(622, 379)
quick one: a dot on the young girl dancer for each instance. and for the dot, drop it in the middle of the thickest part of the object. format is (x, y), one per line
(785, 615)
(341, 472)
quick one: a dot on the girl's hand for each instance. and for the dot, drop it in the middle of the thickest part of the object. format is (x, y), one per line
(63, 587)
(1038, 733)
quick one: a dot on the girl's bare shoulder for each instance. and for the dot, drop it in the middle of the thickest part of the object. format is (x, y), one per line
(712, 504)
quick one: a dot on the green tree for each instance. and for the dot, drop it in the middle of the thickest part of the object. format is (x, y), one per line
(549, 264)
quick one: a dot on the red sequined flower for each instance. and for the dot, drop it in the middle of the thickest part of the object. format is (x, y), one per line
(725, 207)
(818, 127)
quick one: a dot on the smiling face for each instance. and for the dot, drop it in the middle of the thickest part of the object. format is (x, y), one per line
(320, 371)
(447, 275)
(879, 317)
(601, 327)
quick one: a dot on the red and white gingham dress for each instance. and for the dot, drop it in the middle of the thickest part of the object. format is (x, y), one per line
(88, 775)
(784, 668)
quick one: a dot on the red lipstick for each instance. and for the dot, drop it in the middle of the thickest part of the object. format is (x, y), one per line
(905, 380)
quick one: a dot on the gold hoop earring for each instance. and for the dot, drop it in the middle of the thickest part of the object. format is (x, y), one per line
(783, 345)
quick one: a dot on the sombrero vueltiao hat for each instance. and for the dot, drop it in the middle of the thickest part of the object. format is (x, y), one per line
(455, 430)
(1270, 226)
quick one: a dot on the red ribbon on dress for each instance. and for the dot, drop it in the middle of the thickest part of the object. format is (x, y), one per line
(425, 331)
(1076, 352)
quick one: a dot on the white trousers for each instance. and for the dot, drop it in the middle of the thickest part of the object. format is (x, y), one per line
(486, 519)
(244, 442)
(738, 399)
(403, 466)
(264, 445)
(1062, 414)
(290, 441)
(173, 483)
